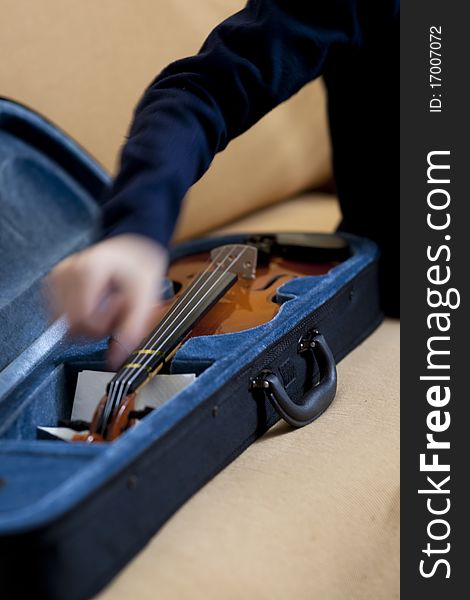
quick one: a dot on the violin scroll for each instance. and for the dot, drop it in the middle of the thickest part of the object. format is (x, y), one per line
(118, 423)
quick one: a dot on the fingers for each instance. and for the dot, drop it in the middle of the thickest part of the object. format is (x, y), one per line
(117, 353)
(130, 325)
(77, 289)
(102, 321)
(110, 288)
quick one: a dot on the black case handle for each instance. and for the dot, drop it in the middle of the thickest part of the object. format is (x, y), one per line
(317, 400)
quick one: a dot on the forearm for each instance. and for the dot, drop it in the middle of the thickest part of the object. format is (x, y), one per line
(249, 64)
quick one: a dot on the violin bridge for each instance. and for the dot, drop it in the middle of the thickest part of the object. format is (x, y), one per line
(239, 259)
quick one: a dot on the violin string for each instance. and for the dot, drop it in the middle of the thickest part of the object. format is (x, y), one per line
(117, 388)
(187, 297)
(115, 384)
(205, 294)
(160, 334)
(127, 381)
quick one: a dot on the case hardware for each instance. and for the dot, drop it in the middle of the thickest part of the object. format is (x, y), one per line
(307, 342)
(317, 400)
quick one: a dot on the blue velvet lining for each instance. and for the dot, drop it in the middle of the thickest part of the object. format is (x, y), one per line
(48, 211)
(44, 216)
(60, 487)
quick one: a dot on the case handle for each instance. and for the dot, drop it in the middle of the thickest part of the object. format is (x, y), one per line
(317, 400)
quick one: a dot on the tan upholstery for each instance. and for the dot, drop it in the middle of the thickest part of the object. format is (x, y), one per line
(85, 64)
(306, 212)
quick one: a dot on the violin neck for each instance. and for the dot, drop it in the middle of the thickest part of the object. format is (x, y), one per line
(174, 327)
(228, 262)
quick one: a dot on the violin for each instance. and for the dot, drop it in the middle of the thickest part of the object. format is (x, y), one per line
(229, 289)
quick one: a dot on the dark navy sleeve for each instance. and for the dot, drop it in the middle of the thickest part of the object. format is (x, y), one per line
(249, 64)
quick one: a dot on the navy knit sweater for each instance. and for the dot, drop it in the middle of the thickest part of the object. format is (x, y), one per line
(249, 64)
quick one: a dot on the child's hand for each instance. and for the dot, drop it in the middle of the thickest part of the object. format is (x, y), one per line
(110, 288)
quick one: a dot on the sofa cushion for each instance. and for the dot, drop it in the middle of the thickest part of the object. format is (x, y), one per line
(306, 212)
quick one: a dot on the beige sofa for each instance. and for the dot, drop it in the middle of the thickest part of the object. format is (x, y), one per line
(312, 513)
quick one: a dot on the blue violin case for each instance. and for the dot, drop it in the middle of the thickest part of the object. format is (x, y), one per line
(73, 514)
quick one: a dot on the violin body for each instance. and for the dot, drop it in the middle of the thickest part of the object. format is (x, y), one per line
(246, 278)
(248, 303)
